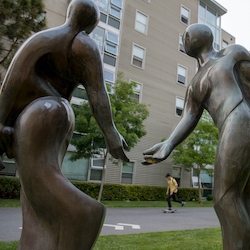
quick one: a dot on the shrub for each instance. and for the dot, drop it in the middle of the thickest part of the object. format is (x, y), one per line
(209, 197)
(10, 188)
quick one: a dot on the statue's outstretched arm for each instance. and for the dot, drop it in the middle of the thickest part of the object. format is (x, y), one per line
(89, 72)
(191, 115)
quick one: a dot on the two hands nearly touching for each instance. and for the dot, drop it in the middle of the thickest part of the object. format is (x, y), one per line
(157, 153)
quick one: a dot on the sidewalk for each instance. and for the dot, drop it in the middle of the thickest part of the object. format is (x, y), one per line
(126, 221)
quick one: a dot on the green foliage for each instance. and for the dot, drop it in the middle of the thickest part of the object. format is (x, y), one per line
(18, 19)
(9, 188)
(209, 197)
(127, 112)
(199, 149)
(121, 192)
(90, 139)
(128, 117)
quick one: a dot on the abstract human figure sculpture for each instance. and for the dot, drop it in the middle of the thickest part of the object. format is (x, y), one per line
(222, 87)
(37, 122)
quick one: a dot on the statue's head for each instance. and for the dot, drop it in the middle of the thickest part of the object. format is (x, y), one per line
(197, 38)
(83, 15)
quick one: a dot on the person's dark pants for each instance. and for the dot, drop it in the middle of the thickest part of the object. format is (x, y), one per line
(175, 199)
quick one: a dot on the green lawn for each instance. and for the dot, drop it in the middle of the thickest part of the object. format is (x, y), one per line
(200, 239)
(16, 203)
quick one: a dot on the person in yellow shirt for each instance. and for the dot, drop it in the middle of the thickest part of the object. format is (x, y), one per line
(171, 191)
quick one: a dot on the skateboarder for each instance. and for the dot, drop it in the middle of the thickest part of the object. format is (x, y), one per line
(172, 190)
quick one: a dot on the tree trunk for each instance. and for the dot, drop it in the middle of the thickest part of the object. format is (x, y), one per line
(103, 175)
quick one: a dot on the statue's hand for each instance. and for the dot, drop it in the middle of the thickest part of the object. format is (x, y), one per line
(116, 149)
(157, 153)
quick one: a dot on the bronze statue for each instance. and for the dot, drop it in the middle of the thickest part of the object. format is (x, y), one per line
(222, 87)
(37, 122)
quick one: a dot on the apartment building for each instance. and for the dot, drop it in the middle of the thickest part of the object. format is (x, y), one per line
(143, 39)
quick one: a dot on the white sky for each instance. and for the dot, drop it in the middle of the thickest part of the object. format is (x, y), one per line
(237, 20)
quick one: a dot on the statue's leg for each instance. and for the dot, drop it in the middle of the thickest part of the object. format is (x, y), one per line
(56, 215)
(232, 169)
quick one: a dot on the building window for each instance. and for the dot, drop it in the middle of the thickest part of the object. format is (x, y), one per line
(109, 80)
(10, 167)
(80, 93)
(210, 17)
(111, 48)
(111, 43)
(103, 5)
(103, 17)
(181, 46)
(182, 75)
(141, 22)
(96, 168)
(224, 44)
(116, 12)
(111, 60)
(127, 173)
(75, 170)
(111, 37)
(109, 76)
(114, 23)
(177, 174)
(137, 91)
(118, 3)
(184, 15)
(98, 35)
(138, 56)
(179, 105)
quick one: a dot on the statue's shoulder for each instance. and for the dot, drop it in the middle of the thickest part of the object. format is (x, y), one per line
(235, 50)
(84, 45)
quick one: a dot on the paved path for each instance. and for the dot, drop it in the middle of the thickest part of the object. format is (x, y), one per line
(154, 220)
(125, 221)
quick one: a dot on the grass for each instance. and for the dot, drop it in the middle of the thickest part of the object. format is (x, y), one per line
(16, 203)
(10, 203)
(152, 204)
(205, 239)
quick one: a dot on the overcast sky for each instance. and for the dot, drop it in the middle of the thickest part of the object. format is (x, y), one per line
(237, 20)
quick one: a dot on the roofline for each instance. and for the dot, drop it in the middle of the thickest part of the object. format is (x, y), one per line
(216, 6)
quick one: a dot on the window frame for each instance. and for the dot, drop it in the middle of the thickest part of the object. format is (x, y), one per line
(108, 38)
(113, 14)
(137, 58)
(109, 45)
(140, 23)
(95, 167)
(185, 77)
(132, 173)
(139, 94)
(183, 17)
(117, 5)
(181, 45)
(176, 106)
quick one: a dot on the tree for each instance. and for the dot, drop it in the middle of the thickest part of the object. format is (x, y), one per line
(128, 116)
(198, 151)
(18, 19)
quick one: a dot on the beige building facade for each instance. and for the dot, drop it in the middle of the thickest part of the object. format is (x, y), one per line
(142, 38)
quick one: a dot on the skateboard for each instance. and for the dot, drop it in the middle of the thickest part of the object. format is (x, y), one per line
(169, 211)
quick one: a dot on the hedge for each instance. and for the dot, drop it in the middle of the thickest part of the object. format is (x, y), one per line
(10, 189)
